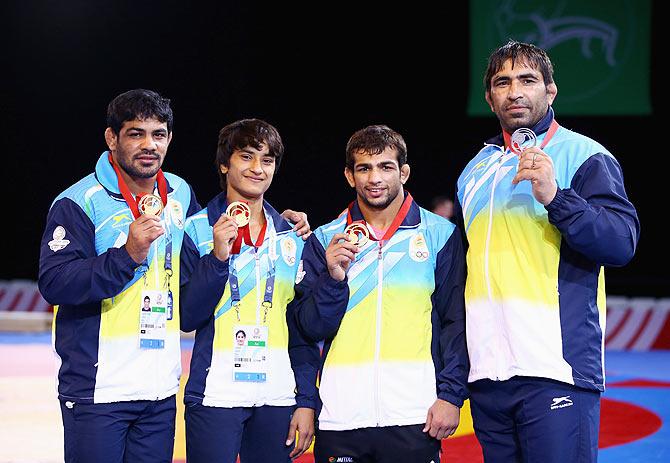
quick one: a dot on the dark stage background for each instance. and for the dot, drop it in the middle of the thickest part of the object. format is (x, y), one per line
(317, 75)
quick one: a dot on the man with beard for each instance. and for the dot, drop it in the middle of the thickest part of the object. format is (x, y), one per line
(383, 287)
(113, 240)
(540, 223)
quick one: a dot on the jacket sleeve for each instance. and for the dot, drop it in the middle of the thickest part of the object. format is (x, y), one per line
(305, 362)
(320, 301)
(202, 283)
(460, 222)
(193, 206)
(594, 215)
(449, 304)
(76, 274)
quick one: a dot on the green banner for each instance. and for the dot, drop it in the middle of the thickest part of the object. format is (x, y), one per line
(600, 50)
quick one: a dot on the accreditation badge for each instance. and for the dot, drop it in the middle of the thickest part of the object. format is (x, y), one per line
(250, 353)
(153, 319)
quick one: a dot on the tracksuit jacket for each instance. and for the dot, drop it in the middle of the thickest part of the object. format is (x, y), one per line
(86, 272)
(207, 306)
(393, 329)
(535, 292)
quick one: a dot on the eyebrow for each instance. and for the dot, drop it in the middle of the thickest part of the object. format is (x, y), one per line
(247, 150)
(520, 76)
(379, 164)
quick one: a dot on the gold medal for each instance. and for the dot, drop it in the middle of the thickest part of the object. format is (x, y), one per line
(357, 233)
(150, 204)
(240, 212)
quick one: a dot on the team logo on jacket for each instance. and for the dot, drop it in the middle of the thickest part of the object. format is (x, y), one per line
(300, 274)
(121, 220)
(418, 250)
(288, 250)
(176, 213)
(58, 243)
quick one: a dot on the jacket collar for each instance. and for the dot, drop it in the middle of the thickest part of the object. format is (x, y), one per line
(541, 127)
(106, 175)
(412, 219)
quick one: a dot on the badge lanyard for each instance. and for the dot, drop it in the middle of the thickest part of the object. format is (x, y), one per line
(232, 276)
(132, 204)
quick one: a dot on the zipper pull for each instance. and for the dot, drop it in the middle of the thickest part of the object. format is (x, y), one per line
(379, 254)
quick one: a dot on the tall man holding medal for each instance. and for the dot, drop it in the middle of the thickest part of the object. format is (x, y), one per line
(539, 224)
(252, 382)
(383, 287)
(109, 261)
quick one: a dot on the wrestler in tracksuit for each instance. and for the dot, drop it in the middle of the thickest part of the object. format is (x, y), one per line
(535, 293)
(117, 398)
(394, 337)
(230, 410)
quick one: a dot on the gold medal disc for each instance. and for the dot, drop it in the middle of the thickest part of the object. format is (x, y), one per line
(357, 233)
(150, 204)
(240, 212)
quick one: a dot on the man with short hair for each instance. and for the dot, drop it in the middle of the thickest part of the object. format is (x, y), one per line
(112, 241)
(383, 287)
(540, 221)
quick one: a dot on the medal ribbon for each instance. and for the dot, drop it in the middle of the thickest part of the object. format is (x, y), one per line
(550, 133)
(244, 234)
(400, 216)
(235, 298)
(128, 196)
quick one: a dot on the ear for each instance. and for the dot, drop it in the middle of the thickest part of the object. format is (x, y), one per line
(224, 169)
(552, 91)
(350, 177)
(111, 139)
(169, 138)
(404, 173)
(487, 96)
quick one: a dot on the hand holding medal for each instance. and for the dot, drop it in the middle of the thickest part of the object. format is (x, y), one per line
(341, 252)
(226, 229)
(534, 164)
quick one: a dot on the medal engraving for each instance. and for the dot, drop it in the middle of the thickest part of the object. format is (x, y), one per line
(150, 204)
(240, 212)
(357, 233)
(521, 139)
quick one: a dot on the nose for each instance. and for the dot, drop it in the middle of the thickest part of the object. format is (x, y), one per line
(514, 92)
(374, 176)
(148, 143)
(256, 165)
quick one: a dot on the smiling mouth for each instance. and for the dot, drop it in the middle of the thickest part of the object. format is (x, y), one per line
(375, 191)
(147, 158)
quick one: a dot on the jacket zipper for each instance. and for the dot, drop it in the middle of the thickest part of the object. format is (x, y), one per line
(498, 310)
(380, 274)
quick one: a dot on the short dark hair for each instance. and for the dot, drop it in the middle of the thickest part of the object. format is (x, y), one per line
(147, 298)
(373, 140)
(243, 133)
(519, 51)
(138, 104)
